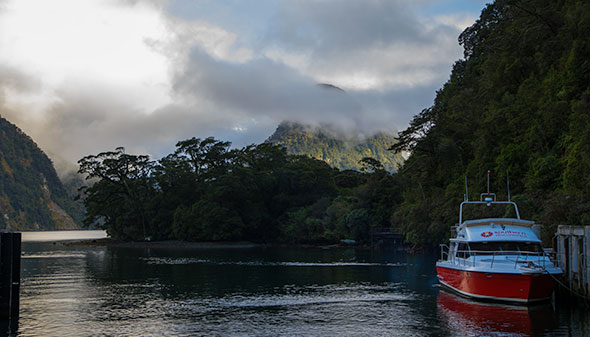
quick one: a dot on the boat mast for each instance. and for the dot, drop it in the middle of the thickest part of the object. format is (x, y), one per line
(508, 184)
(488, 182)
(466, 196)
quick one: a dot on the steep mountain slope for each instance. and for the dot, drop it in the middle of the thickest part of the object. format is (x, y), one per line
(518, 104)
(31, 194)
(343, 152)
(72, 181)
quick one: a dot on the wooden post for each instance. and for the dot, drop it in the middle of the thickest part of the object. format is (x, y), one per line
(559, 254)
(573, 268)
(574, 262)
(10, 250)
(562, 248)
(587, 260)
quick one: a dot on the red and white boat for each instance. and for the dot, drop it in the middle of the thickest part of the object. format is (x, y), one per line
(498, 259)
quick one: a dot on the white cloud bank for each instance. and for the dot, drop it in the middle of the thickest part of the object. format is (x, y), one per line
(87, 76)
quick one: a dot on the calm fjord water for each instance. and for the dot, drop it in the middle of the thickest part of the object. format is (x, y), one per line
(175, 291)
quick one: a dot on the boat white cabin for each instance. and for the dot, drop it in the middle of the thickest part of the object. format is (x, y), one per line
(498, 259)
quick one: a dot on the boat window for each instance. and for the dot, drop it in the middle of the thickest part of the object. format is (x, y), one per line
(531, 247)
(509, 247)
(463, 251)
(504, 247)
(484, 248)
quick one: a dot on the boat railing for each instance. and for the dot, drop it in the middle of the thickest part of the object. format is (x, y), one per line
(444, 252)
(470, 257)
(487, 203)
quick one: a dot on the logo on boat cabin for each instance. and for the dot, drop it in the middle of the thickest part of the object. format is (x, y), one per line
(487, 234)
(511, 233)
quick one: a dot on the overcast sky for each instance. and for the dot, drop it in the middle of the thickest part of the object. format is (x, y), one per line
(85, 76)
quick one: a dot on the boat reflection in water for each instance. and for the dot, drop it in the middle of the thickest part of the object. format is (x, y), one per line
(469, 318)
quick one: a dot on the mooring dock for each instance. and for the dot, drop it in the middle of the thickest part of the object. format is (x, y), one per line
(572, 248)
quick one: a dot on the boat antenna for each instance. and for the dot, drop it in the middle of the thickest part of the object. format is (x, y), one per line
(466, 196)
(488, 182)
(508, 183)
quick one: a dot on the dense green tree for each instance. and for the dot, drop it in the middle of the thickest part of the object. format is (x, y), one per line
(517, 104)
(118, 200)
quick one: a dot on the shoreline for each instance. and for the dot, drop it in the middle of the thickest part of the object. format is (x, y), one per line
(108, 242)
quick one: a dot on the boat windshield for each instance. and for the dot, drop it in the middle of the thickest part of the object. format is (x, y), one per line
(504, 248)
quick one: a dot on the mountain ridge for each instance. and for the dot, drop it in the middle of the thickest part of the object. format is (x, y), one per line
(340, 150)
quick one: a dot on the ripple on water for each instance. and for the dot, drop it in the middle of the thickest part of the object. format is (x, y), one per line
(183, 261)
(139, 308)
(298, 311)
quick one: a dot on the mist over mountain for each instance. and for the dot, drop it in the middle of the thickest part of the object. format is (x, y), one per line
(32, 196)
(339, 149)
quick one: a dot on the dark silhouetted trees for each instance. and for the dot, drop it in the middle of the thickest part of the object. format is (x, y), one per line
(205, 191)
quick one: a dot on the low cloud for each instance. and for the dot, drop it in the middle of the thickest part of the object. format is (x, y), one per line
(259, 88)
(210, 81)
(364, 45)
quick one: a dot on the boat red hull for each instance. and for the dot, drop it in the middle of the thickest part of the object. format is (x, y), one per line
(498, 286)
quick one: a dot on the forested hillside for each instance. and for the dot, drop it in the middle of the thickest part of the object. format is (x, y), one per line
(31, 194)
(342, 152)
(517, 104)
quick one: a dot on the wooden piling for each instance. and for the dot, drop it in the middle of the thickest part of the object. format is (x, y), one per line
(587, 258)
(10, 251)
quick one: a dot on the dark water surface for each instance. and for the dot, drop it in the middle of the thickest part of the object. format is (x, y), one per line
(116, 291)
